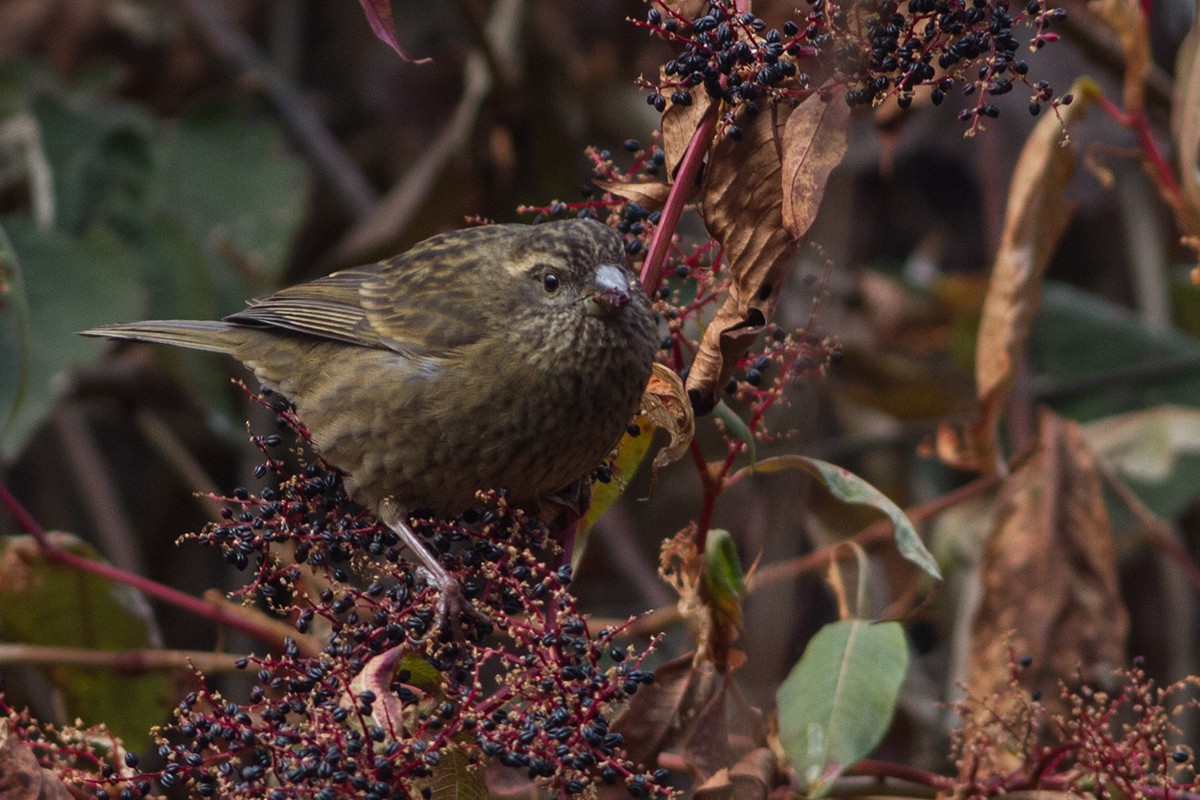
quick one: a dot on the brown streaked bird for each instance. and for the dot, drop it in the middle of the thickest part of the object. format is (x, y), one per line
(501, 356)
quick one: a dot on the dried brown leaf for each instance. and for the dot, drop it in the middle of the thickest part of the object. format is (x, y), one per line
(1185, 124)
(21, 776)
(814, 143)
(679, 124)
(1049, 572)
(650, 195)
(742, 208)
(1128, 21)
(1035, 217)
(666, 404)
(658, 715)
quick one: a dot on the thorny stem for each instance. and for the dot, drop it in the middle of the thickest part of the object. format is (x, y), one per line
(56, 555)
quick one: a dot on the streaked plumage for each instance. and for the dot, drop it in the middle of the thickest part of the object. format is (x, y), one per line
(453, 367)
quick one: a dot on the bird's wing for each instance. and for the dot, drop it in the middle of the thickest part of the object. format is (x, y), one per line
(429, 301)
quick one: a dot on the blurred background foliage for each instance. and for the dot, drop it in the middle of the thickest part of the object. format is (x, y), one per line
(159, 159)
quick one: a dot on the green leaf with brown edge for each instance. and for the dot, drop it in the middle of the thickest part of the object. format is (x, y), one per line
(837, 703)
(46, 604)
(723, 580)
(850, 488)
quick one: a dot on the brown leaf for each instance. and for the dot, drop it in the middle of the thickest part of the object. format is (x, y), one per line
(1128, 21)
(1034, 219)
(814, 143)
(757, 772)
(742, 209)
(1049, 572)
(379, 15)
(665, 403)
(659, 714)
(21, 776)
(745, 190)
(650, 195)
(1185, 126)
(679, 123)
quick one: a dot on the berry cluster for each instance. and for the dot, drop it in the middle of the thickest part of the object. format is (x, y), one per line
(1126, 742)
(372, 698)
(872, 49)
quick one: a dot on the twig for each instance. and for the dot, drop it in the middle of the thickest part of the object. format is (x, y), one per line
(235, 47)
(127, 661)
(205, 610)
(99, 492)
(388, 220)
(167, 445)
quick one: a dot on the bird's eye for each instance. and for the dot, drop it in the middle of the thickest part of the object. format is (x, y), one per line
(550, 282)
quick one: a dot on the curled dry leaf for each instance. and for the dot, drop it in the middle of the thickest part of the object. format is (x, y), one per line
(666, 405)
(21, 776)
(679, 123)
(1049, 573)
(650, 195)
(1185, 127)
(376, 677)
(1128, 21)
(1035, 217)
(782, 162)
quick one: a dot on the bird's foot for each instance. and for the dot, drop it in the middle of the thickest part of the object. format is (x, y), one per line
(453, 605)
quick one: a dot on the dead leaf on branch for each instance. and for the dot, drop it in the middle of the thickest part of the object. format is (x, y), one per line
(679, 124)
(1128, 21)
(650, 195)
(1035, 217)
(743, 197)
(21, 776)
(1185, 128)
(1049, 573)
(666, 405)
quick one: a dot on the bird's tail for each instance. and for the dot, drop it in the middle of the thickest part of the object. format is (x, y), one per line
(216, 337)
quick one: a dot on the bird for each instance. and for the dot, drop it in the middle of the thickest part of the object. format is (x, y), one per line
(503, 356)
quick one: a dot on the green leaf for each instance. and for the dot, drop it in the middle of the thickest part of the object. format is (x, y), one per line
(630, 455)
(69, 285)
(1156, 451)
(837, 702)
(722, 568)
(241, 193)
(850, 488)
(49, 605)
(96, 154)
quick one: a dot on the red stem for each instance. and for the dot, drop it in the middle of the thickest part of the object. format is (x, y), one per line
(58, 556)
(685, 177)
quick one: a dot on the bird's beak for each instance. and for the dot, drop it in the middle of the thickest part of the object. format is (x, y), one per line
(612, 291)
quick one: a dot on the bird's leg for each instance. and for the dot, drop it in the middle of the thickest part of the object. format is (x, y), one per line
(452, 603)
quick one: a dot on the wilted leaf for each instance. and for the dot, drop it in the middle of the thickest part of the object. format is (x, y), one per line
(814, 143)
(650, 195)
(1185, 122)
(657, 716)
(1128, 20)
(1049, 572)
(21, 776)
(837, 702)
(850, 488)
(1035, 217)
(742, 202)
(45, 604)
(376, 677)
(679, 124)
(666, 405)
(379, 15)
